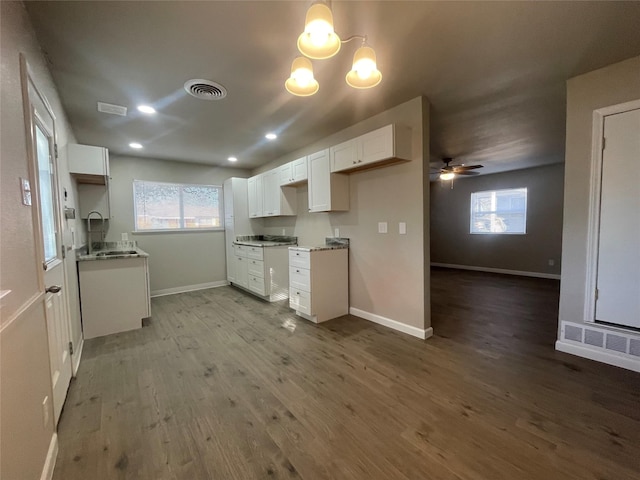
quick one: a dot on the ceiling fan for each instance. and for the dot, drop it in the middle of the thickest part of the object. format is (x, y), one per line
(448, 172)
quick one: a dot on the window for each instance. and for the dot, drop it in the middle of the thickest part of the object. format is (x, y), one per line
(176, 206)
(499, 211)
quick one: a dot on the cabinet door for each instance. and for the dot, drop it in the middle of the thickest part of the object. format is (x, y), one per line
(377, 145)
(319, 182)
(88, 160)
(271, 194)
(255, 196)
(241, 271)
(299, 169)
(286, 173)
(344, 155)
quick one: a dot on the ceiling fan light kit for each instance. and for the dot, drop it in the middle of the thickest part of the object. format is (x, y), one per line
(318, 42)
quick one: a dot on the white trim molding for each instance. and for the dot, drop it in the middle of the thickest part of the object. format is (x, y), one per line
(75, 358)
(520, 273)
(595, 186)
(188, 288)
(393, 324)
(50, 462)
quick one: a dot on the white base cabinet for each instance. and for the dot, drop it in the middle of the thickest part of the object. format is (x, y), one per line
(114, 295)
(319, 283)
(262, 271)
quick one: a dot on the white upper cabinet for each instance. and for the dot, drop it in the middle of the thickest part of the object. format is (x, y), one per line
(327, 192)
(277, 200)
(294, 173)
(255, 196)
(385, 145)
(88, 164)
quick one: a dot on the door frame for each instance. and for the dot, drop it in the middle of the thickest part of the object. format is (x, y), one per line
(31, 118)
(595, 190)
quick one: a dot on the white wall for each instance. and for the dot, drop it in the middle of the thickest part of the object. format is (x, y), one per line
(25, 378)
(178, 260)
(451, 242)
(387, 273)
(611, 85)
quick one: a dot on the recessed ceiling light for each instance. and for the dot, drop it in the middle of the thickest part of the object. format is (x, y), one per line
(271, 136)
(232, 159)
(146, 109)
(135, 145)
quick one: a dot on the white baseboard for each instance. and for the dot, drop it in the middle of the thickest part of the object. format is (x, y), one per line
(50, 462)
(75, 358)
(598, 355)
(395, 325)
(521, 273)
(188, 288)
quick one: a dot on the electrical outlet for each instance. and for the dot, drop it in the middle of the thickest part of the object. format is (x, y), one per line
(382, 227)
(402, 228)
(45, 411)
(336, 232)
(283, 232)
(124, 236)
(552, 262)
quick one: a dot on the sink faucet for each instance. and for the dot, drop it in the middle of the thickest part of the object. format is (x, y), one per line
(90, 249)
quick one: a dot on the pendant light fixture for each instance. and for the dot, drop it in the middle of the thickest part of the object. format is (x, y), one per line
(301, 82)
(320, 41)
(364, 73)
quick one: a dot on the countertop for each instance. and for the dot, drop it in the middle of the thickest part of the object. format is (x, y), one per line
(112, 251)
(265, 240)
(330, 243)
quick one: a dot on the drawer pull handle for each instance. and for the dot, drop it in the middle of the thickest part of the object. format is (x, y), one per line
(297, 271)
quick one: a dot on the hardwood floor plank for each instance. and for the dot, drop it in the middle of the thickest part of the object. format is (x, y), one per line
(220, 385)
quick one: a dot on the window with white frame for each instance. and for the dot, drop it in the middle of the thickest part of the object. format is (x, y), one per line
(162, 206)
(499, 211)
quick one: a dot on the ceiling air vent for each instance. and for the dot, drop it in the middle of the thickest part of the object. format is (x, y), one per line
(205, 89)
(112, 109)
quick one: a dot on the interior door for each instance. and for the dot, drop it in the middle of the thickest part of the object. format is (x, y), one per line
(48, 208)
(618, 281)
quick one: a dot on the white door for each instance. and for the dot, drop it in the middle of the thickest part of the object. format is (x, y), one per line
(44, 161)
(618, 282)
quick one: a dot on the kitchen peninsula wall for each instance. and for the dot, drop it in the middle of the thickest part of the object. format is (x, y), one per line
(178, 261)
(388, 281)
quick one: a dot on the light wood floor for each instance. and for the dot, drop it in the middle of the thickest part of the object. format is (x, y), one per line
(220, 385)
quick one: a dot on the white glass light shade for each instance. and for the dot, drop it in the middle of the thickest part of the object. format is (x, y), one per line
(301, 81)
(447, 176)
(364, 73)
(319, 41)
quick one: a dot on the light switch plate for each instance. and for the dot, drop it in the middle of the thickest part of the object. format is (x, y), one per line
(124, 236)
(25, 186)
(336, 233)
(382, 227)
(402, 228)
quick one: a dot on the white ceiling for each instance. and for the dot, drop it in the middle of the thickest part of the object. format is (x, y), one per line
(494, 73)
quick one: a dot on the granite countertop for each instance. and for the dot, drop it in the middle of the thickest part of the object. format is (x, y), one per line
(111, 251)
(265, 240)
(332, 243)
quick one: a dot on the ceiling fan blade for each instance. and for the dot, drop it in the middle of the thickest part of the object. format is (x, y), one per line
(467, 172)
(463, 168)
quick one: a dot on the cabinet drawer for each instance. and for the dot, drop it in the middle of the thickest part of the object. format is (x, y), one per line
(240, 250)
(300, 300)
(300, 278)
(256, 284)
(256, 253)
(255, 267)
(299, 259)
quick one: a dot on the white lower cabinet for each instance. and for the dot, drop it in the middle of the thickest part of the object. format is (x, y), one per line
(262, 271)
(319, 283)
(114, 295)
